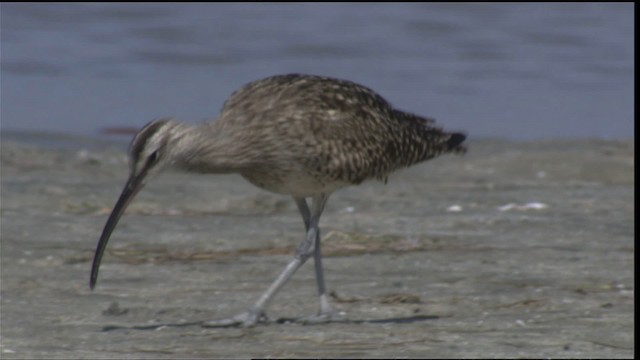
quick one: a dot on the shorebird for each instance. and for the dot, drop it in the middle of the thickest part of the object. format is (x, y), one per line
(301, 135)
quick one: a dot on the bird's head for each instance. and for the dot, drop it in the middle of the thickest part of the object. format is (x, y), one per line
(148, 155)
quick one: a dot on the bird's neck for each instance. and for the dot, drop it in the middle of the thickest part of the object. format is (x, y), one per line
(206, 148)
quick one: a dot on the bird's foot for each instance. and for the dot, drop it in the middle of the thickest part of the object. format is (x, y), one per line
(326, 314)
(246, 319)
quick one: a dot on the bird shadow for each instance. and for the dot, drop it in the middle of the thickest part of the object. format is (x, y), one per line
(391, 320)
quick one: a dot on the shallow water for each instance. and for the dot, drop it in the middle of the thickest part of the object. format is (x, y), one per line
(518, 71)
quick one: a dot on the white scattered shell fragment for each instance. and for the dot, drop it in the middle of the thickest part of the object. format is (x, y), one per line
(507, 207)
(454, 208)
(85, 156)
(520, 322)
(349, 209)
(82, 154)
(528, 206)
(535, 206)
(173, 211)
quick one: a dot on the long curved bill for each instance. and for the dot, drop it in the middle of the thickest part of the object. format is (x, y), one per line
(131, 188)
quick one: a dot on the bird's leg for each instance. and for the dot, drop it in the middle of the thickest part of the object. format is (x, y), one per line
(304, 211)
(326, 312)
(257, 311)
(303, 252)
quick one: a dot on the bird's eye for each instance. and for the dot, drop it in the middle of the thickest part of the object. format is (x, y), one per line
(153, 158)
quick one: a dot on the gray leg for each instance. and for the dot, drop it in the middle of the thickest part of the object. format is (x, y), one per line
(326, 313)
(304, 211)
(325, 307)
(304, 250)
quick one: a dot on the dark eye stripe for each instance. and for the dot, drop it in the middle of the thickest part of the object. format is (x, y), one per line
(139, 142)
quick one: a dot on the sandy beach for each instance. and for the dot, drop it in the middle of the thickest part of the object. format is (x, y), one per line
(517, 249)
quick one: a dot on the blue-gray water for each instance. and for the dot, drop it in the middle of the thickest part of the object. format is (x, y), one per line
(517, 71)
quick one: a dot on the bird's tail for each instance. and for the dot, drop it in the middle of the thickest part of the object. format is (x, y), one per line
(455, 143)
(432, 133)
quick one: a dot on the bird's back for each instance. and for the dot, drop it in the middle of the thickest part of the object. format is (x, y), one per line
(334, 132)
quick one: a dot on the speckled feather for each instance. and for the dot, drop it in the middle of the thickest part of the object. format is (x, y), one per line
(300, 135)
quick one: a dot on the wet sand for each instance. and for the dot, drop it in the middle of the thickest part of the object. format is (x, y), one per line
(514, 250)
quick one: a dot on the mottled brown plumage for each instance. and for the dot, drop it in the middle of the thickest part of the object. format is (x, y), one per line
(301, 135)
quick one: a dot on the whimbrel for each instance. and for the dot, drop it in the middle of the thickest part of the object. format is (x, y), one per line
(301, 135)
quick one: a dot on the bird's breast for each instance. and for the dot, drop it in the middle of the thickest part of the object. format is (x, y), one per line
(294, 181)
